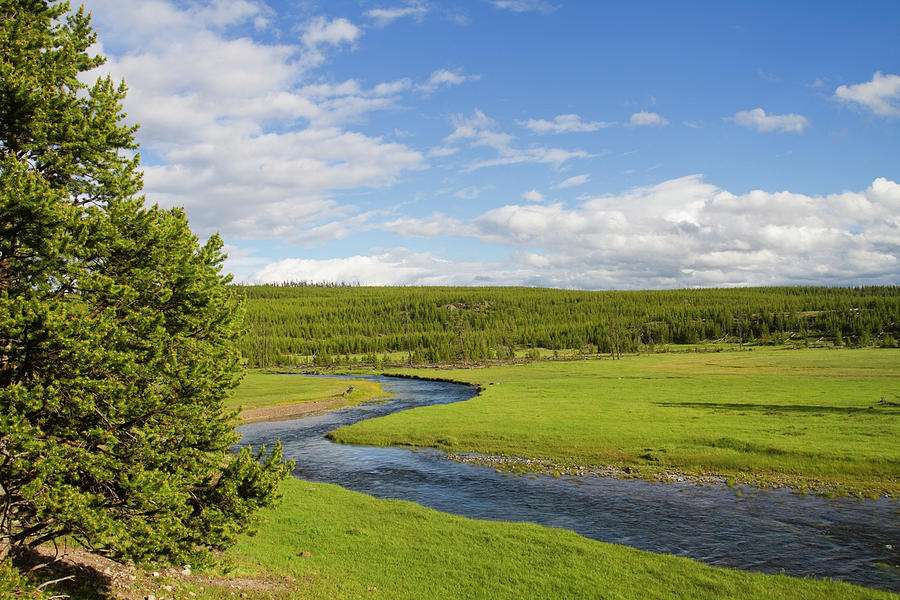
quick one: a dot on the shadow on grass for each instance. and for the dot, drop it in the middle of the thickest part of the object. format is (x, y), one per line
(776, 409)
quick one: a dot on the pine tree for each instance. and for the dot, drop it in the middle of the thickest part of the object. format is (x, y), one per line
(117, 327)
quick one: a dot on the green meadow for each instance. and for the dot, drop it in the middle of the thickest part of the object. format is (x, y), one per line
(260, 390)
(325, 542)
(824, 419)
(821, 420)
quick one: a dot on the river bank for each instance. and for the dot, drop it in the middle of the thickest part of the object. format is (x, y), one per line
(273, 395)
(816, 421)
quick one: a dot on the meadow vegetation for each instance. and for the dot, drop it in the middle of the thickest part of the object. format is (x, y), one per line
(824, 420)
(335, 543)
(325, 542)
(262, 390)
(738, 413)
(323, 325)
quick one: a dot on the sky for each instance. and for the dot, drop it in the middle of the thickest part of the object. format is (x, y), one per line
(563, 143)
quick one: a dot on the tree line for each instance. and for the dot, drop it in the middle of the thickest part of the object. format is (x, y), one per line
(328, 324)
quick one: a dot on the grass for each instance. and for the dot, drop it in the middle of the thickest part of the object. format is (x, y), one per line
(260, 389)
(15, 585)
(763, 415)
(823, 420)
(327, 542)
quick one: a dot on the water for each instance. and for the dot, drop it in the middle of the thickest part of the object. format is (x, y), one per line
(773, 531)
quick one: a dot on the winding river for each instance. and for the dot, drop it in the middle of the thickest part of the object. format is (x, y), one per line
(774, 531)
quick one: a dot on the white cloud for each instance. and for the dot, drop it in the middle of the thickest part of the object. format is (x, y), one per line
(394, 267)
(273, 185)
(881, 95)
(435, 225)
(479, 131)
(572, 182)
(533, 196)
(767, 123)
(471, 192)
(242, 263)
(442, 151)
(332, 32)
(445, 78)
(645, 119)
(521, 6)
(130, 22)
(238, 134)
(551, 156)
(337, 229)
(688, 232)
(387, 15)
(565, 124)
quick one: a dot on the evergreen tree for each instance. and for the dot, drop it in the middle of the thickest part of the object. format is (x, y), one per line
(117, 328)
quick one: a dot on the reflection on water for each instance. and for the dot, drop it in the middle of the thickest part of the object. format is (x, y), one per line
(762, 530)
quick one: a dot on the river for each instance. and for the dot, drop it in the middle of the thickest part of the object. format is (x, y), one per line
(773, 531)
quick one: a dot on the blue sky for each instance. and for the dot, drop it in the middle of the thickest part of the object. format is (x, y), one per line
(573, 144)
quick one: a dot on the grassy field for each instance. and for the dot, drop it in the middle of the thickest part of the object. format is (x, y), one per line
(813, 418)
(825, 420)
(327, 542)
(261, 390)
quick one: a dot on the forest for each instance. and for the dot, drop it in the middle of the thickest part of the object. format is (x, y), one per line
(334, 324)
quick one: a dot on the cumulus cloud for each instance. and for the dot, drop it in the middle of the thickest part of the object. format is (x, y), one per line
(273, 185)
(333, 32)
(647, 119)
(387, 15)
(522, 6)
(758, 120)
(240, 134)
(445, 78)
(571, 182)
(394, 267)
(565, 124)
(881, 95)
(533, 196)
(689, 232)
(480, 131)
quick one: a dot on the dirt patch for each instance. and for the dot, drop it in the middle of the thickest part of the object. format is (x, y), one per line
(88, 575)
(292, 411)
